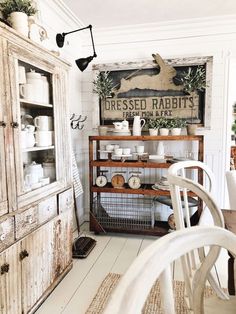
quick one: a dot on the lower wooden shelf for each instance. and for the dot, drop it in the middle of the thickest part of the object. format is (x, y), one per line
(160, 228)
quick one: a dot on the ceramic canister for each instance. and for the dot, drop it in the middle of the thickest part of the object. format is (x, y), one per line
(35, 80)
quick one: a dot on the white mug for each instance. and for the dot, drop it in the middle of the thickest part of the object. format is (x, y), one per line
(27, 91)
(126, 151)
(43, 123)
(118, 125)
(109, 147)
(139, 149)
(43, 138)
(118, 151)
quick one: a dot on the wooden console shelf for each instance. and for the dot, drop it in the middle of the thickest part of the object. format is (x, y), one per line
(126, 209)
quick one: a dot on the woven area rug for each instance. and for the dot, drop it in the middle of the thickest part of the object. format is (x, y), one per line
(152, 305)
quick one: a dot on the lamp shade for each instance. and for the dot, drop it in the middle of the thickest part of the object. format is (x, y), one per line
(82, 63)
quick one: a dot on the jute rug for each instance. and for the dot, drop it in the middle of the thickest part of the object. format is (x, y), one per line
(153, 303)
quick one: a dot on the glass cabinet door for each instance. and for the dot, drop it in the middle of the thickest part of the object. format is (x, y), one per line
(35, 128)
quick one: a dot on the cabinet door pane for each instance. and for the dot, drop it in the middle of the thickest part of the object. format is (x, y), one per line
(37, 271)
(36, 111)
(10, 287)
(36, 132)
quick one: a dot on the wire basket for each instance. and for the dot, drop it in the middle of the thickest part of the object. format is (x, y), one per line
(127, 212)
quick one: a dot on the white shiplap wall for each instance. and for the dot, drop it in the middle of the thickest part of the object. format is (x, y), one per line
(190, 38)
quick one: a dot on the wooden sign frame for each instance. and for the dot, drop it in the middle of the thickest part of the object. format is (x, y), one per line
(119, 71)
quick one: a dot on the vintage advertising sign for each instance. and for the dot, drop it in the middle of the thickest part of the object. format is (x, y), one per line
(151, 107)
(149, 90)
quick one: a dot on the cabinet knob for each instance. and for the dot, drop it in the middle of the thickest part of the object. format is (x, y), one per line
(2, 236)
(15, 125)
(3, 124)
(4, 268)
(23, 254)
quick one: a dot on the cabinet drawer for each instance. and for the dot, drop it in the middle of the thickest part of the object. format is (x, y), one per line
(26, 221)
(6, 232)
(47, 209)
(66, 201)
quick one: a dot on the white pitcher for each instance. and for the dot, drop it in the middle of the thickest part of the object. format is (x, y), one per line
(138, 125)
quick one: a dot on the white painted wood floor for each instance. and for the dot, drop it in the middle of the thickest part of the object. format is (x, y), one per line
(112, 253)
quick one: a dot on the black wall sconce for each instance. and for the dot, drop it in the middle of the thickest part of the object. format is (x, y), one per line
(82, 63)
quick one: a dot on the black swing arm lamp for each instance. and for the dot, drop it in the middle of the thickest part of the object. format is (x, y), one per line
(82, 63)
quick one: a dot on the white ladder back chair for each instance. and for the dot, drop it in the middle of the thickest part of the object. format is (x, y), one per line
(154, 262)
(180, 185)
(231, 184)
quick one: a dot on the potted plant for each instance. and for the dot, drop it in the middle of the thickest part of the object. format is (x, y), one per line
(17, 12)
(103, 86)
(163, 125)
(193, 81)
(176, 124)
(233, 128)
(152, 124)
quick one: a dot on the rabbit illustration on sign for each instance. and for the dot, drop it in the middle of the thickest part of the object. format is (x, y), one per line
(161, 81)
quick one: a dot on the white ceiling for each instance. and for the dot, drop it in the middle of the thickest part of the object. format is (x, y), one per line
(109, 13)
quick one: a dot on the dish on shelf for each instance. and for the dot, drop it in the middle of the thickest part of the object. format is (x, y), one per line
(157, 158)
(181, 159)
(119, 132)
(122, 156)
(106, 151)
(140, 154)
(157, 187)
(161, 186)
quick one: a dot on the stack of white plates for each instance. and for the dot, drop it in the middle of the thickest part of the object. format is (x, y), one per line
(161, 186)
(157, 158)
(119, 132)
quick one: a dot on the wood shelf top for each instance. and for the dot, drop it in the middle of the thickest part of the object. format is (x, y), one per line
(146, 189)
(128, 164)
(30, 103)
(147, 138)
(37, 148)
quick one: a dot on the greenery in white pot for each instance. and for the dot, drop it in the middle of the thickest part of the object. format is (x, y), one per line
(163, 125)
(9, 6)
(193, 81)
(176, 124)
(153, 125)
(16, 12)
(103, 86)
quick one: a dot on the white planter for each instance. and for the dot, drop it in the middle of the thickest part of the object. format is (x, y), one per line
(164, 131)
(175, 131)
(153, 132)
(19, 21)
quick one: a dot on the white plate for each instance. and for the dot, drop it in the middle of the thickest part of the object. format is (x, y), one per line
(121, 156)
(156, 157)
(106, 151)
(140, 154)
(157, 187)
(119, 131)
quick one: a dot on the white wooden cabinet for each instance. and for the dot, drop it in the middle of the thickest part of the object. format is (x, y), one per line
(35, 220)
